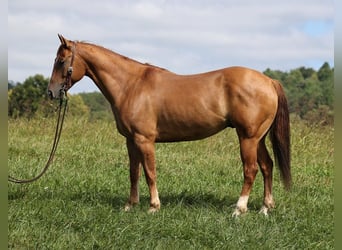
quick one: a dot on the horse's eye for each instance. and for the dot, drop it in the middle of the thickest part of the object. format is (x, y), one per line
(59, 62)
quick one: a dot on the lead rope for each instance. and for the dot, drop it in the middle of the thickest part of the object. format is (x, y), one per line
(58, 132)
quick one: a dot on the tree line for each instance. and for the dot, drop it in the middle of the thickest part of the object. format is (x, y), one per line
(310, 95)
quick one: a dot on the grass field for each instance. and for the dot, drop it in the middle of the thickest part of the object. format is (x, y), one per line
(78, 203)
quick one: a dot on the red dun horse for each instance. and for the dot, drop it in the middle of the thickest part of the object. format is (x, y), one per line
(151, 104)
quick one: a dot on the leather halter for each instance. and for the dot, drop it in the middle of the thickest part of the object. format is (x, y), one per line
(67, 83)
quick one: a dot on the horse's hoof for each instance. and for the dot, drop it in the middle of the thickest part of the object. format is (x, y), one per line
(264, 210)
(154, 209)
(267, 206)
(128, 207)
(238, 211)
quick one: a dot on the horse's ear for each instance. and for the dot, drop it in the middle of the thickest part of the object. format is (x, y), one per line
(64, 41)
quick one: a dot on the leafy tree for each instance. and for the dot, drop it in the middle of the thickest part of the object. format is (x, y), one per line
(11, 85)
(309, 93)
(275, 74)
(24, 99)
(29, 99)
(326, 77)
(99, 107)
(325, 72)
(77, 107)
(307, 72)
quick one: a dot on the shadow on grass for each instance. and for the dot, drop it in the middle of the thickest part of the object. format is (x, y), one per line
(186, 200)
(16, 195)
(197, 200)
(106, 197)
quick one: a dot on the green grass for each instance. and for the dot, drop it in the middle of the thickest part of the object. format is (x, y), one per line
(78, 203)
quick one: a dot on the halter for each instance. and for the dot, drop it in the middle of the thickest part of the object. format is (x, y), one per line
(67, 83)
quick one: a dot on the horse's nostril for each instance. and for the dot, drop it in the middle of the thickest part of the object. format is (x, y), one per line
(50, 94)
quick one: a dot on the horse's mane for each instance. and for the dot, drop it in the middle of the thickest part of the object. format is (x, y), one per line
(117, 54)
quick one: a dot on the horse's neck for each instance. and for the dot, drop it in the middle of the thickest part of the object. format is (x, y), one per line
(111, 72)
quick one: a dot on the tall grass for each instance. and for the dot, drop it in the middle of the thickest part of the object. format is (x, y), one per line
(78, 203)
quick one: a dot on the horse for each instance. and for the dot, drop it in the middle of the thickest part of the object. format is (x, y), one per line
(154, 105)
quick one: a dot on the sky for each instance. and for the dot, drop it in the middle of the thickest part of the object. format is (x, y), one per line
(183, 36)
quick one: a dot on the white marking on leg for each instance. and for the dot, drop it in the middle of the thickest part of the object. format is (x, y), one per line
(133, 200)
(128, 207)
(155, 203)
(241, 206)
(268, 204)
(264, 210)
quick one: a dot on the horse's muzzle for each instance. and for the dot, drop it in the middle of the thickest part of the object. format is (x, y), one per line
(52, 95)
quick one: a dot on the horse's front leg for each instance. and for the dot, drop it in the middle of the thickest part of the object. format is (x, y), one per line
(135, 161)
(147, 149)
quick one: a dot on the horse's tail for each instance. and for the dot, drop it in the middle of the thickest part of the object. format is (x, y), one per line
(280, 136)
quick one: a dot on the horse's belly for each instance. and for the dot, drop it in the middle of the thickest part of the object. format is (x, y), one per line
(173, 131)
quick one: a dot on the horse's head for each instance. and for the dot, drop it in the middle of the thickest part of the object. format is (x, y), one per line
(67, 69)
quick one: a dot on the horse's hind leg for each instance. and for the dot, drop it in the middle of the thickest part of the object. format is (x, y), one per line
(248, 150)
(266, 165)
